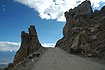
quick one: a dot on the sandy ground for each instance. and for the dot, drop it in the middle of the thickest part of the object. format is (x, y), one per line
(58, 59)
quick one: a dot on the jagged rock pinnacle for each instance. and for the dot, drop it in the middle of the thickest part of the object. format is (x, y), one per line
(29, 44)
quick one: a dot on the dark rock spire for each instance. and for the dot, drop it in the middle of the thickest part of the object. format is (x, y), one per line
(29, 44)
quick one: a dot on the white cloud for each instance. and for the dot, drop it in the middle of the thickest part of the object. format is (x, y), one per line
(54, 9)
(95, 3)
(9, 46)
(12, 46)
(48, 45)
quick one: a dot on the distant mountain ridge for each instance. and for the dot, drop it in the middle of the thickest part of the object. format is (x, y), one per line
(6, 57)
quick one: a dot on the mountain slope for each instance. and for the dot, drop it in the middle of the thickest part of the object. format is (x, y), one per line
(58, 59)
(84, 31)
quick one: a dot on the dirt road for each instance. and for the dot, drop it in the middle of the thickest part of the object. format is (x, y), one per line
(58, 59)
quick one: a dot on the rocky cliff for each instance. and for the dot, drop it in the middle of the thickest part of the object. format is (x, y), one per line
(29, 44)
(84, 31)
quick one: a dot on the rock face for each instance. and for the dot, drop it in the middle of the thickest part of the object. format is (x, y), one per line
(84, 31)
(29, 44)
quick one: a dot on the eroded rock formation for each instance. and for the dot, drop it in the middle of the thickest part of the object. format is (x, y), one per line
(29, 44)
(84, 31)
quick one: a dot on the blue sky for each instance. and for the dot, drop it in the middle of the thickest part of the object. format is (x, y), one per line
(46, 15)
(18, 17)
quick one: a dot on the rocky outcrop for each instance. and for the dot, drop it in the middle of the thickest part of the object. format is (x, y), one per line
(29, 62)
(29, 44)
(84, 31)
(77, 16)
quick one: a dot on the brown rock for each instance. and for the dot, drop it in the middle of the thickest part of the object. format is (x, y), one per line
(29, 44)
(77, 16)
(34, 39)
(84, 31)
